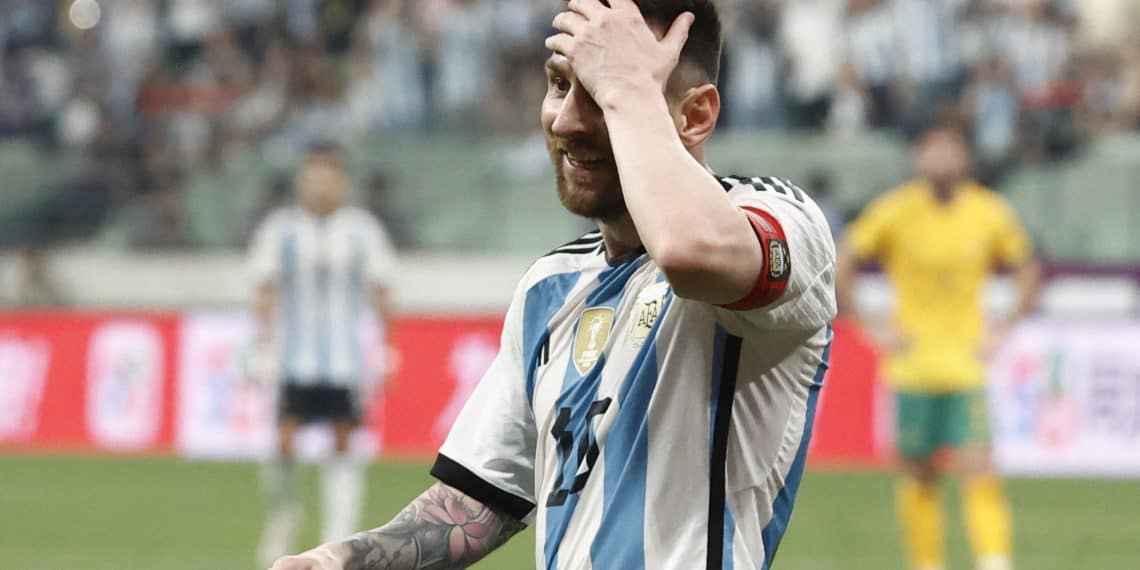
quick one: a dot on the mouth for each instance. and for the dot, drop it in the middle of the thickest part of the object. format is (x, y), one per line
(584, 162)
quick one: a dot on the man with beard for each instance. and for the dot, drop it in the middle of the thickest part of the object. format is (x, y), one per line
(653, 397)
(939, 238)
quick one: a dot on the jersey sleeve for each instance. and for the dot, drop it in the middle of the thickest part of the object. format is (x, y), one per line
(264, 255)
(489, 453)
(869, 234)
(796, 287)
(1011, 243)
(380, 263)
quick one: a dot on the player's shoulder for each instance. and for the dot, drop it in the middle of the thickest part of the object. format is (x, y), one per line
(357, 215)
(900, 200)
(281, 217)
(763, 185)
(984, 196)
(585, 247)
(570, 257)
(986, 203)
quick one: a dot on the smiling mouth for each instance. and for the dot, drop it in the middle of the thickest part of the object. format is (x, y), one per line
(585, 161)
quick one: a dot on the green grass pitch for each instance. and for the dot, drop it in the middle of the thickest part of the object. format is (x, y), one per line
(163, 514)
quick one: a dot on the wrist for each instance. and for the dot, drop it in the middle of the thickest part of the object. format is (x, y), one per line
(340, 550)
(638, 96)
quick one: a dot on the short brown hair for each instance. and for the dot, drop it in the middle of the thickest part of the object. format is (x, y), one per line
(704, 44)
(325, 149)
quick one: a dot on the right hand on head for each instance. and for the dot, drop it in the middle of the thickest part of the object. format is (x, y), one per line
(321, 558)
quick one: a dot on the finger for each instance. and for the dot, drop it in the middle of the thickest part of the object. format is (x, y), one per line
(560, 44)
(571, 23)
(679, 32)
(587, 8)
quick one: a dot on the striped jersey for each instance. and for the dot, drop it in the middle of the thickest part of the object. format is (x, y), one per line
(637, 429)
(325, 270)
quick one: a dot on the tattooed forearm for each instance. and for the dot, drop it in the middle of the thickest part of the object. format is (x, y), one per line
(440, 530)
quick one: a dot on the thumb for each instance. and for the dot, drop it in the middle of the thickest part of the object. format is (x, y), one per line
(679, 32)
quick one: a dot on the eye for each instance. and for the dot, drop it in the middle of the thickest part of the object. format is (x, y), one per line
(559, 83)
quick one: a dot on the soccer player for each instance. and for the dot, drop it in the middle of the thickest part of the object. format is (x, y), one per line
(317, 264)
(939, 238)
(653, 397)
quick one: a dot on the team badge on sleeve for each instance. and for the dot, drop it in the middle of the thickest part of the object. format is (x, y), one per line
(778, 267)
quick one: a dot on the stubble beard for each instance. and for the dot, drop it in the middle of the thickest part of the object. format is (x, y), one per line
(603, 203)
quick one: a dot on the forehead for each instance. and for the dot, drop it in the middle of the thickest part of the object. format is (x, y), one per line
(323, 160)
(943, 138)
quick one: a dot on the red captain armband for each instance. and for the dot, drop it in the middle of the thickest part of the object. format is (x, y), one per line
(777, 270)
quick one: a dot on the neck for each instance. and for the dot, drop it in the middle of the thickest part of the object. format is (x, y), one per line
(620, 236)
(943, 191)
(320, 211)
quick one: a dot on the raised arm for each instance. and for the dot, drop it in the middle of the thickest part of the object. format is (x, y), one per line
(442, 529)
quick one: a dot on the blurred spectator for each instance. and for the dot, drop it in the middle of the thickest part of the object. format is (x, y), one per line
(930, 66)
(262, 107)
(1130, 81)
(1107, 25)
(1038, 46)
(18, 98)
(393, 57)
(130, 41)
(810, 36)
(992, 103)
(336, 23)
(851, 105)
(753, 68)
(165, 86)
(871, 51)
(463, 62)
(190, 23)
(35, 287)
(28, 22)
(1103, 95)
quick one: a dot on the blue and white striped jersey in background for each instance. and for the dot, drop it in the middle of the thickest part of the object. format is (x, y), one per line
(326, 270)
(637, 429)
(927, 32)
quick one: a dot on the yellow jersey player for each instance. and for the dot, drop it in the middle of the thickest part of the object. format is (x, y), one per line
(939, 238)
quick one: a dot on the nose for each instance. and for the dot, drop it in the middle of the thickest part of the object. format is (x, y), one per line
(578, 114)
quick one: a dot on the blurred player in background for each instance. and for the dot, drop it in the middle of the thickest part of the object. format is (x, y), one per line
(318, 266)
(939, 238)
(655, 389)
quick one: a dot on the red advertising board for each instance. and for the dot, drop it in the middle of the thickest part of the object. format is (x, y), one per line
(442, 361)
(86, 382)
(109, 382)
(847, 415)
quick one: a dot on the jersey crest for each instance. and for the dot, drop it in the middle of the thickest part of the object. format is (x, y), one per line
(650, 302)
(593, 331)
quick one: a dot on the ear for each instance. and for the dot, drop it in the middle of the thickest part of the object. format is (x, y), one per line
(697, 113)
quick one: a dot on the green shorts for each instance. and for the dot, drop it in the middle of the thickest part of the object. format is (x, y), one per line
(927, 422)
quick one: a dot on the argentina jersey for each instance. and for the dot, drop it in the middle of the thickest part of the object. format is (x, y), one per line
(637, 429)
(325, 271)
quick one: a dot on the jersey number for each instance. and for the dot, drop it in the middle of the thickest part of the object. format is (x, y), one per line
(587, 455)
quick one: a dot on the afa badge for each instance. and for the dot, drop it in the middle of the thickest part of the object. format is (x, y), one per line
(593, 331)
(650, 303)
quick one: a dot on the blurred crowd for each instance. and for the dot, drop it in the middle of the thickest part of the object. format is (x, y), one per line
(140, 93)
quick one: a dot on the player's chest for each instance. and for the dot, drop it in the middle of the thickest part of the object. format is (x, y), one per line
(603, 330)
(330, 249)
(943, 240)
